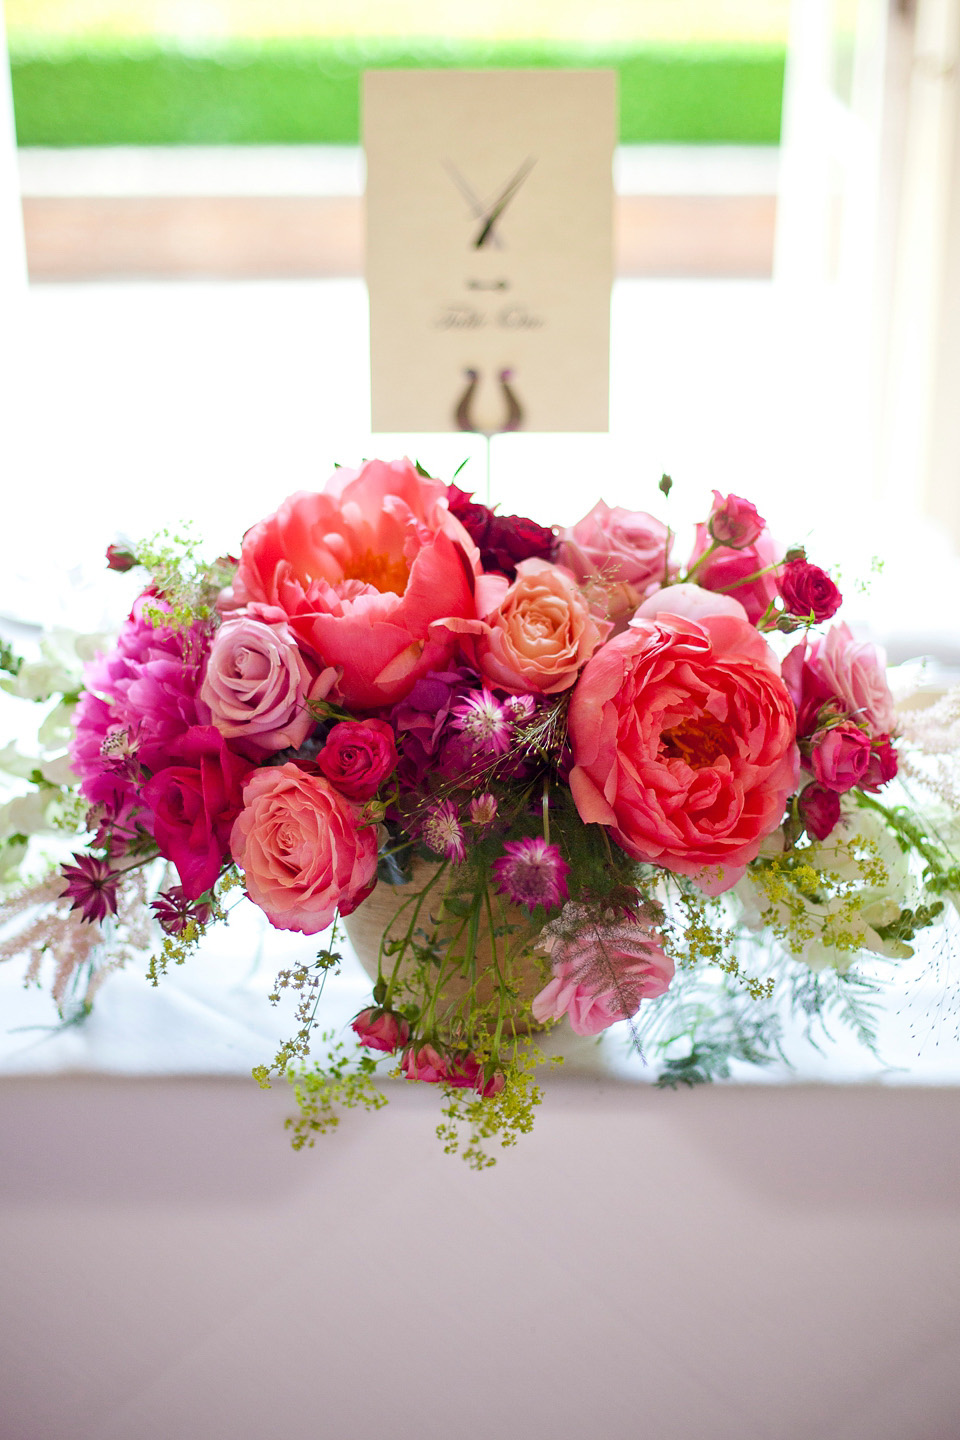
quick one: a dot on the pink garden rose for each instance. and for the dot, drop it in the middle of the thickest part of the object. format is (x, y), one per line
(736, 572)
(367, 573)
(840, 756)
(423, 1062)
(734, 522)
(684, 744)
(194, 801)
(602, 970)
(381, 1030)
(623, 553)
(537, 633)
(807, 590)
(819, 810)
(358, 756)
(257, 683)
(845, 674)
(304, 855)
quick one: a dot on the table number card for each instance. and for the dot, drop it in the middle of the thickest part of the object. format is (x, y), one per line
(489, 248)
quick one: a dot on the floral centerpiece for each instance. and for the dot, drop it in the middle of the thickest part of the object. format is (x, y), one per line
(558, 775)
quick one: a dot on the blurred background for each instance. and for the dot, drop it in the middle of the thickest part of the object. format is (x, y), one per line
(183, 334)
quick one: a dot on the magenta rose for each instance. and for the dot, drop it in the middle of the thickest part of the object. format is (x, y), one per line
(464, 1072)
(883, 764)
(358, 756)
(684, 744)
(744, 573)
(367, 572)
(819, 810)
(734, 522)
(623, 553)
(302, 849)
(840, 756)
(807, 590)
(536, 633)
(503, 540)
(846, 675)
(257, 683)
(195, 801)
(381, 1030)
(602, 970)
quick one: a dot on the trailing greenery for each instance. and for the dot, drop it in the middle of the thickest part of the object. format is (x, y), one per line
(283, 92)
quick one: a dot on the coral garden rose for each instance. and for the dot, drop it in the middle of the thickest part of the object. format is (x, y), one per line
(367, 572)
(194, 801)
(624, 553)
(257, 683)
(602, 969)
(302, 850)
(684, 744)
(358, 756)
(745, 573)
(539, 631)
(844, 674)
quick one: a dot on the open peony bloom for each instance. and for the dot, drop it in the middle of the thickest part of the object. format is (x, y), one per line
(684, 740)
(367, 572)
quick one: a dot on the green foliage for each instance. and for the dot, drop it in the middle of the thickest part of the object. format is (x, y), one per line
(10, 663)
(308, 92)
(187, 584)
(343, 1081)
(504, 1116)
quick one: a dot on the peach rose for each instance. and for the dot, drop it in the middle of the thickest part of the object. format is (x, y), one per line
(303, 854)
(538, 633)
(367, 572)
(684, 742)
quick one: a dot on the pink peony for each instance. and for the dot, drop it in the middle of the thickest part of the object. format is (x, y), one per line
(381, 1030)
(736, 572)
(368, 572)
(845, 674)
(358, 756)
(623, 553)
(299, 844)
(840, 757)
(538, 632)
(194, 801)
(684, 744)
(257, 683)
(734, 522)
(602, 969)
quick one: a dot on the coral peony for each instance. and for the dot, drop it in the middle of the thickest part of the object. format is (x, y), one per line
(302, 850)
(684, 744)
(367, 572)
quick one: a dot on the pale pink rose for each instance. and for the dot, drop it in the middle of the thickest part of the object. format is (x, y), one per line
(738, 572)
(540, 632)
(734, 521)
(846, 674)
(690, 601)
(304, 855)
(684, 743)
(257, 683)
(602, 969)
(623, 553)
(368, 573)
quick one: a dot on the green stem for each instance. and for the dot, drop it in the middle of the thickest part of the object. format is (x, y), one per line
(714, 545)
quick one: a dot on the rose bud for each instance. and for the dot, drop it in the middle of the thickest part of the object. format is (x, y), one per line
(807, 590)
(734, 522)
(464, 1072)
(120, 558)
(422, 1062)
(358, 757)
(840, 756)
(381, 1030)
(819, 810)
(882, 766)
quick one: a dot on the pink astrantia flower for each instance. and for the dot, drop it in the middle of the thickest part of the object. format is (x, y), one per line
(174, 910)
(442, 832)
(684, 740)
(481, 718)
(602, 968)
(483, 809)
(91, 887)
(531, 873)
(381, 1030)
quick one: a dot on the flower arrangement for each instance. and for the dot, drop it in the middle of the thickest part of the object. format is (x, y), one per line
(556, 774)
